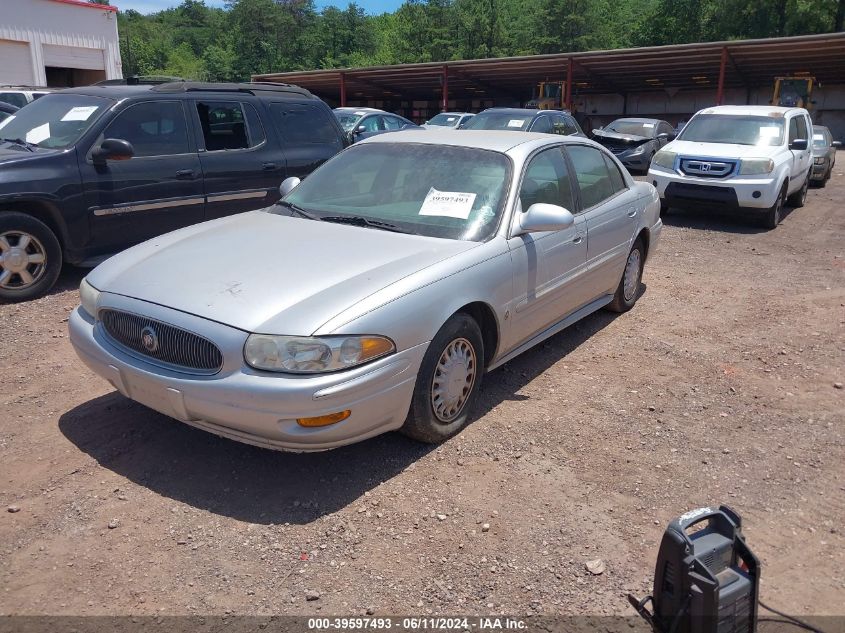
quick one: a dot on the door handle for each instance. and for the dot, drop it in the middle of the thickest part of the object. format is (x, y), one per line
(578, 240)
(185, 174)
(632, 213)
(268, 166)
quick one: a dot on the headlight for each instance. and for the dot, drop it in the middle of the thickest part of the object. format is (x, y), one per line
(664, 159)
(756, 166)
(639, 149)
(88, 296)
(818, 160)
(313, 355)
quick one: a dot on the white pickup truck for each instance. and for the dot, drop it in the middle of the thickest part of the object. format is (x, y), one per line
(750, 158)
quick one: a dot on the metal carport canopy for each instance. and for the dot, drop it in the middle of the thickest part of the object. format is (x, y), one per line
(738, 63)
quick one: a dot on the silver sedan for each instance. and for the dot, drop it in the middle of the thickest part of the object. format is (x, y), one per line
(376, 294)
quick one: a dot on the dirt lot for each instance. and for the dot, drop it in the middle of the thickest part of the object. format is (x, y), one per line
(718, 387)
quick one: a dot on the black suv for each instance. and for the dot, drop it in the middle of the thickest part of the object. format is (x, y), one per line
(86, 172)
(525, 120)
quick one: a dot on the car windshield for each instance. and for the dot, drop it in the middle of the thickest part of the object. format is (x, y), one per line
(438, 191)
(447, 120)
(55, 121)
(741, 130)
(634, 128)
(348, 120)
(819, 139)
(499, 121)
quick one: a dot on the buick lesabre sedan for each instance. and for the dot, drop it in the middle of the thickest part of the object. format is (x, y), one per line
(376, 294)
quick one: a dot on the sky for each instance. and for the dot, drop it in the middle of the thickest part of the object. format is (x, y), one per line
(151, 6)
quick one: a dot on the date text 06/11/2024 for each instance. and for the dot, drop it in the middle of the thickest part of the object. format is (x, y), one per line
(418, 623)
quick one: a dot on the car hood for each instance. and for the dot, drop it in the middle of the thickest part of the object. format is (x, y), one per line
(617, 139)
(722, 150)
(268, 273)
(10, 153)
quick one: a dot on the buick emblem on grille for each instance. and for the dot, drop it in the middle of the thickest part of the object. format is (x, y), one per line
(149, 339)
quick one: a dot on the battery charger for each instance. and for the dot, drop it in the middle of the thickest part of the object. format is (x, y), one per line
(706, 580)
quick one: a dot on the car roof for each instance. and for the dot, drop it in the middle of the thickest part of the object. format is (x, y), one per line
(758, 110)
(455, 113)
(637, 120)
(495, 140)
(367, 110)
(122, 91)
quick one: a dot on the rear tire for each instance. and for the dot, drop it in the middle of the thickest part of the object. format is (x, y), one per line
(30, 257)
(628, 290)
(448, 382)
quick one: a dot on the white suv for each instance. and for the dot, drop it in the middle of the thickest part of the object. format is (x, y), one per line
(754, 158)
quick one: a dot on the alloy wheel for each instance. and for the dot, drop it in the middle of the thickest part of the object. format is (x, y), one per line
(22, 260)
(631, 280)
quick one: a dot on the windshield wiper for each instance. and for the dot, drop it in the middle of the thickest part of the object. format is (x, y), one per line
(296, 209)
(357, 220)
(21, 142)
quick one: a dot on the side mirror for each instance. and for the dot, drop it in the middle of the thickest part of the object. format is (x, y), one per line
(544, 217)
(596, 130)
(663, 135)
(798, 144)
(288, 184)
(360, 129)
(112, 149)
(836, 144)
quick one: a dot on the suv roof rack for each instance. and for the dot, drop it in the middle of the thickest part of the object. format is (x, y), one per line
(251, 88)
(138, 80)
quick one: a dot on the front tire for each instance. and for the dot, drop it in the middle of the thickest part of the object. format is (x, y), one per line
(772, 217)
(628, 290)
(798, 198)
(448, 382)
(30, 257)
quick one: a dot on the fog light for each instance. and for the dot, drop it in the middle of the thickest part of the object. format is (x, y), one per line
(756, 194)
(324, 420)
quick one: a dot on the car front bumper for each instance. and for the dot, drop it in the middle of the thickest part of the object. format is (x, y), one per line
(819, 171)
(251, 406)
(676, 190)
(639, 161)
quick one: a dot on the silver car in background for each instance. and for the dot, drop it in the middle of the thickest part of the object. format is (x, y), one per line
(376, 293)
(824, 155)
(452, 120)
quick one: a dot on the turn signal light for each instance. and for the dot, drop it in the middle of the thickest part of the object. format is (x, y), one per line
(324, 420)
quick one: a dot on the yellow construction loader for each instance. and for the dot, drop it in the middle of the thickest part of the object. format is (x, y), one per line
(794, 92)
(549, 96)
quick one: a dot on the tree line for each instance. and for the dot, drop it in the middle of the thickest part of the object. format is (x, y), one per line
(248, 37)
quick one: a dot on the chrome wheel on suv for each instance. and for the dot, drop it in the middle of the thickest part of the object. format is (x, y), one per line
(30, 257)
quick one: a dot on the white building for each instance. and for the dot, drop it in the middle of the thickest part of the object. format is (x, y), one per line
(57, 43)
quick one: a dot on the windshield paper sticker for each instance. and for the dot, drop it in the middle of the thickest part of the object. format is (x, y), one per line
(5, 122)
(648, 125)
(516, 122)
(79, 113)
(38, 134)
(450, 204)
(769, 131)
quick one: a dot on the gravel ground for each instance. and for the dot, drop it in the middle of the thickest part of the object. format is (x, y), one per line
(720, 386)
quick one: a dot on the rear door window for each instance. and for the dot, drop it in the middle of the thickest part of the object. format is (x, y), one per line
(392, 123)
(301, 124)
(592, 173)
(228, 125)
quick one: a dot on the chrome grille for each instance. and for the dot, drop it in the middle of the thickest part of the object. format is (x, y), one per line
(704, 168)
(162, 343)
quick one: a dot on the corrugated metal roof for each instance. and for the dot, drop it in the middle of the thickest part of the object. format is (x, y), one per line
(750, 63)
